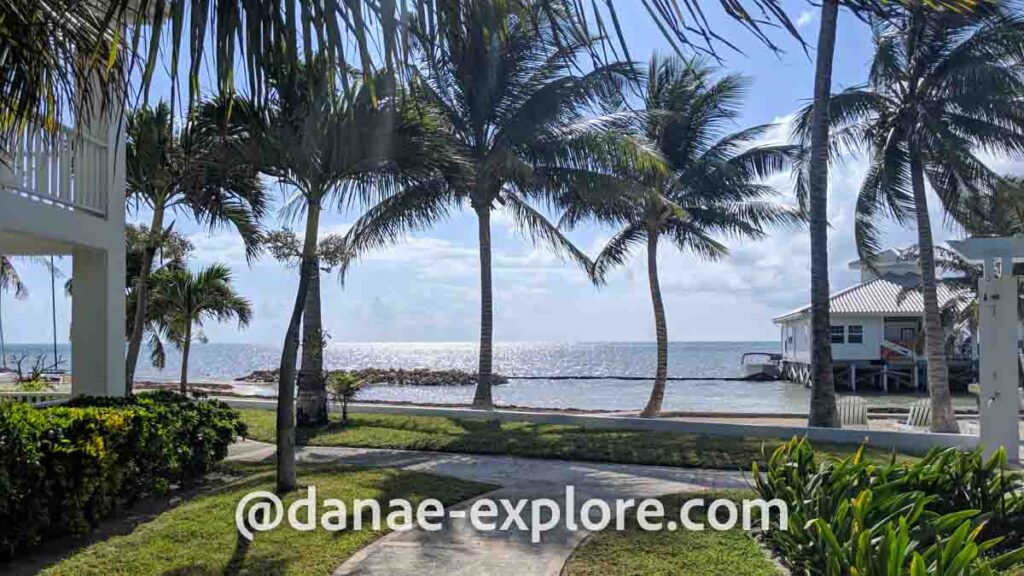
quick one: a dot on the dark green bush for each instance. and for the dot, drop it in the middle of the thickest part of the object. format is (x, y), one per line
(950, 513)
(63, 469)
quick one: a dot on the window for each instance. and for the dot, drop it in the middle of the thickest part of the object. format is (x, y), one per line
(838, 335)
(855, 334)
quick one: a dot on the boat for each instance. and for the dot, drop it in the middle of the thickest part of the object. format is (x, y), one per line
(761, 365)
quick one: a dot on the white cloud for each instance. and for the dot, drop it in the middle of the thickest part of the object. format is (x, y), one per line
(805, 18)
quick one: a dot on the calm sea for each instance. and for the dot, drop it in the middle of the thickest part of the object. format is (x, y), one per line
(224, 362)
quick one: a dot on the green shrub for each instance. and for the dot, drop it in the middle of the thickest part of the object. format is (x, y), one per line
(949, 513)
(63, 469)
(34, 386)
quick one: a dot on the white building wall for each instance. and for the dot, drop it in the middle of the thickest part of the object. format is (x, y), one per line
(869, 349)
(796, 339)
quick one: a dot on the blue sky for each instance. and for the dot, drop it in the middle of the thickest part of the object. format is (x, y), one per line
(426, 289)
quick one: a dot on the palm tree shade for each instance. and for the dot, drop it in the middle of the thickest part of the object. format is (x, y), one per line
(523, 129)
(182, 301)
(195, 172)
(941, 88)
(713, 188)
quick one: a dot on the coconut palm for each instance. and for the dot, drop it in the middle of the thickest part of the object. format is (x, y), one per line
(194, 172)
(328, 148)
(823, 411)
(941, 87)
(46, 75)
(9, 279)
(713, 187)
(523, 124)
(182, 301)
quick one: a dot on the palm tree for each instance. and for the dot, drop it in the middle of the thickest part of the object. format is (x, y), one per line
(520, 121)
(823, 411)
(286, 246)
(9, 279)
(194, 171)
(713, 186)
(182, 301)
(941, 87)
(48, 77)
(328, 147)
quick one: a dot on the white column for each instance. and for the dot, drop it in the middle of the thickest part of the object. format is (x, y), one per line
(1000, 398)
(97, 322)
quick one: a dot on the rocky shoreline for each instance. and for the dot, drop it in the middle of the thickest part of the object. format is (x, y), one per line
(393, 376)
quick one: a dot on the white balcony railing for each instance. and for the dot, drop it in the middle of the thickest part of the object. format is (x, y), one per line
(68, 169)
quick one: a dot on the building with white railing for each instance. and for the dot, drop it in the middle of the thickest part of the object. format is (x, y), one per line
(65, 195)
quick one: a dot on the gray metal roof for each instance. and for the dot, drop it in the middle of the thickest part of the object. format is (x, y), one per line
(881, 297)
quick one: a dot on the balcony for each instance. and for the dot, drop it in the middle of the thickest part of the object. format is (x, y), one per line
(70, 170)
(64, 194)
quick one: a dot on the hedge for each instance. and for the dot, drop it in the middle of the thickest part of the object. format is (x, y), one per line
(63, 469)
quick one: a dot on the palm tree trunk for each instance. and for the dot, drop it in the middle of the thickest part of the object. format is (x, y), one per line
(286, 478)
(823, 393)
(943, 417)
(654, 403)
(483, 397)
(311, 403)
(185, 347)
(142, 296)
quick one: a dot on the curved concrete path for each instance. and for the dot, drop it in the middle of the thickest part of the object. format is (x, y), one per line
(458, 548)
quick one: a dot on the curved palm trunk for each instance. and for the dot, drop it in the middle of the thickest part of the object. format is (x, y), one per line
(142, 296)
(286, 478)
(823, 393)
(185, 348)
(311, 402)
(654, 403)
(943, 417)
(483, 397)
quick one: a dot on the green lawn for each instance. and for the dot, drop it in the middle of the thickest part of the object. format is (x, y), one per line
(678, 553)
(199, 537)
(536, 440)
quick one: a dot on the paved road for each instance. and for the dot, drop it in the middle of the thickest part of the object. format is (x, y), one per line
(458, 548)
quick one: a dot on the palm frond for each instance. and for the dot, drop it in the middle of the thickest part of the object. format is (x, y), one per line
(617, 250)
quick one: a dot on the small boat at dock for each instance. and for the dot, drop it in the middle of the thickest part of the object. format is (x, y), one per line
(761, 365)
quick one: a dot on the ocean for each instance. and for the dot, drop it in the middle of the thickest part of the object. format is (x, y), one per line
(703, 360)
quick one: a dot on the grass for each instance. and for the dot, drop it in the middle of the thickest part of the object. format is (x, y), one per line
(675, 553)
(538, 440)
(199, 538)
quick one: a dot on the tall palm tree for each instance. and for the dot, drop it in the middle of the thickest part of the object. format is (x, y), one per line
(713, 187)
(823, 411)
(9, 279)
(191, 171)
(523, 125)
(286, 246)
(329, 148)
(183, 300)
(941, 87)
(814, 193)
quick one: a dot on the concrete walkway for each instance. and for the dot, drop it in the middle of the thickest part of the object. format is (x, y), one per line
(460, 549)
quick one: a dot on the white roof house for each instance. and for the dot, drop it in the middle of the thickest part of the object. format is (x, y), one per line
(873, 320)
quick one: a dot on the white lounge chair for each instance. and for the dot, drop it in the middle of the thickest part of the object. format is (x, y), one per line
(920, 415)
(853, 412)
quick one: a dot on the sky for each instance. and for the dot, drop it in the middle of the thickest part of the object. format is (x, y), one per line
(427, 287)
